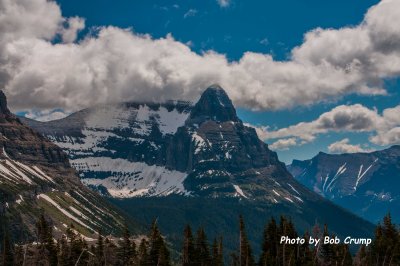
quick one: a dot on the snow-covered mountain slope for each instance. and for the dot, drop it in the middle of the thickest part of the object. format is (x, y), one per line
(131, 179)
(159, 160)
(36, 178)
(119, 148)
(366, 183)
(146, 149)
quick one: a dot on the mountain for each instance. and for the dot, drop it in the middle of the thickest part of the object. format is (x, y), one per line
(36, 178)
(196, 163)
(367, 184)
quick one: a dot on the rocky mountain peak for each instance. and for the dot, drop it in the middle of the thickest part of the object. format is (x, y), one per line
(3, 104)
(214, 104)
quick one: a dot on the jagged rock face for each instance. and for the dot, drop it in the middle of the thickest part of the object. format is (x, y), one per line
(24, 144)
(214, 104)
(365, 183)
(35, 176)
(3, 105)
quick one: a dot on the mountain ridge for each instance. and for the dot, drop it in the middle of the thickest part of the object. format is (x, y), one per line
(364, 183)
(158, 162)
(36, 178)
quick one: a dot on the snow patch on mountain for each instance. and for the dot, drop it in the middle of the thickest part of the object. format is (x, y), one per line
(169, 122)
(63, 211)
(239, 191)
(131, 179)
(18, 172)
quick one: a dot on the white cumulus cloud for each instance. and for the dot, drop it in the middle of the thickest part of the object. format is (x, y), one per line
(283, 144)
(384, 126)
(344, 146)
(113, 64)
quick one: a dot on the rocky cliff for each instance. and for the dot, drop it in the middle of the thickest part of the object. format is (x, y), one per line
(36, 178)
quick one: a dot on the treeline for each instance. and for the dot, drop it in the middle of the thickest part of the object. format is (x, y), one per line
(152, 250)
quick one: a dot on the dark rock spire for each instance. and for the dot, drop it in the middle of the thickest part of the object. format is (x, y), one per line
(214, 104)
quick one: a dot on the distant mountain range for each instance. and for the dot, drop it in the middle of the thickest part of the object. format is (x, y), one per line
(36, 178)
(189, 163)
(367, 184)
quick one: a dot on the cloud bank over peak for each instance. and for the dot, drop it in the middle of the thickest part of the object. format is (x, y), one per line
(113, 64)
(344, 146)
(384, 128)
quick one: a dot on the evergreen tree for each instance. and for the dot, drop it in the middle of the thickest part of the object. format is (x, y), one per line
(245, 254)
(110, 252)
(305, 252)
(100, 250)
(385, 249)
(63, 251)
(46, 241)
(7, 251)
(202, 250)
(126, 252)
(217, 253)
(158, 253)
(143, 255)
(234, 259)
(286, 254)
(325, 250)
(345, 258)
(188, 252)
(269, 244)
(361, 257)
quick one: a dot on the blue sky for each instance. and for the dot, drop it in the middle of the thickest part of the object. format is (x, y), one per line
(77, 44)
(273, 27)
(259, 25)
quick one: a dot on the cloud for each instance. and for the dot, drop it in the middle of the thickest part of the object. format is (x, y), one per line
(75, 24)
(113, 64)
(190, 13)
(341, 118)
(343, 146)
(224, 3)
(283, 144)
(264, 42)
(45, 115)
(385, 127)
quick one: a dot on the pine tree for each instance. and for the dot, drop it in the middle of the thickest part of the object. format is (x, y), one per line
(158, 254)
(46, 241)
(63, 251)
(305, 252)
(217, 253)
(385, 248)
(109, 252)
(220, 252)
(245, 254)
(234, 259)
(202, 250)
(269, 244)
(125, 251)
(188, 252)
(7, 251)
(391, 240)
(345, 255)
(134, 253)
(143, 255)
(100, 250)
(325, 250)
(361, 257)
